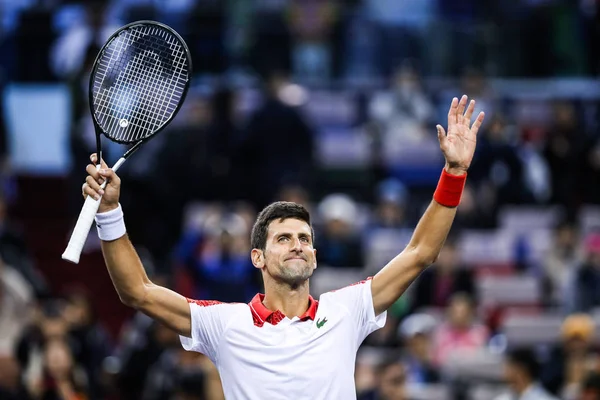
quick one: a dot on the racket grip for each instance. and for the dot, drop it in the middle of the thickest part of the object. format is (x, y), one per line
(84, 222)
(81, 230)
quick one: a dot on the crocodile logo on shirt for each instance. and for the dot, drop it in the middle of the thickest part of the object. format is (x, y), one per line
(320, 322)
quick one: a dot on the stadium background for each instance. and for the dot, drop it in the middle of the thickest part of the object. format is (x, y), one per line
(331, 103)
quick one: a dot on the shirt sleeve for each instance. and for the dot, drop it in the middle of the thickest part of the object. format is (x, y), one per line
(358, 300)
(209, 319)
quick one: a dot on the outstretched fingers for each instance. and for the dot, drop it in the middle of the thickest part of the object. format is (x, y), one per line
(462, 104)
(441, 136)
(469, 114)
(452, 113)
(477, 123)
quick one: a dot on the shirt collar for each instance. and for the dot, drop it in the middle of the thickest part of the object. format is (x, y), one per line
(262, 314)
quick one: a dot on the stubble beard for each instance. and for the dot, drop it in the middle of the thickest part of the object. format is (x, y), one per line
(294, 276)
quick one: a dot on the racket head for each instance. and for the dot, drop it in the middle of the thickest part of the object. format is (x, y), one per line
(139, 81)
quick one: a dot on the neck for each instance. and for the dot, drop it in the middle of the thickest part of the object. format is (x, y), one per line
(291, 302)
(521, 386)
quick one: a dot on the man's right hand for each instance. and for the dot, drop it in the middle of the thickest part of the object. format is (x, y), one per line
(91, 187)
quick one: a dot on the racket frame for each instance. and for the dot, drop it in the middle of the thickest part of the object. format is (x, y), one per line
(73, 251)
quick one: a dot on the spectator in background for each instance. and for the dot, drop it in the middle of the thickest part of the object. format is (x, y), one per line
(138, 355)
(460, 335)
(454, 43)
(89, 339)
(69, 51)
(217, 259)
(276, 146)
(391, 204)
(178, 373)
(403, 26)
(16, 308)
(10, 382)
(417, 357)
(583, 291)
(521, 371)
(14, 250)
(590, 170)
(295, 194)
(312, 24)
(439, 283)
(590, 389)
(62, 378)
(563, 152)
(47, 324)
(391, 381)
(561, 261)
(497, 166)
(477, 208)
(403, 114)
(566, 367)
(337, 240)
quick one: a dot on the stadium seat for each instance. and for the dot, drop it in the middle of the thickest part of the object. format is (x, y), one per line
(485, 392)
(524, 329)
(483, 365)
(589, 218)
(508, 290)
(428, 392)
(381, 245)
(326, 279)
(525, 218)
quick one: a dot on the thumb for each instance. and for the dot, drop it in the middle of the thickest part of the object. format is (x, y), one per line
(94, 157)
(111, 176)
(441, 133)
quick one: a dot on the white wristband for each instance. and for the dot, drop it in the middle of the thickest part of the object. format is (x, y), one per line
(110, 224)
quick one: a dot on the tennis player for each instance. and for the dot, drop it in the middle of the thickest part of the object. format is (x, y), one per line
(285, 344)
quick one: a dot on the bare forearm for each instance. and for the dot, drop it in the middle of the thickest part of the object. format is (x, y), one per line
(458, 147)
(422, 250)
(125, 270)
(431, 232)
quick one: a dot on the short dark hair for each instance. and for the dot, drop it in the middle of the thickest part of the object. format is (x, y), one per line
(525, 359)
(280, 211)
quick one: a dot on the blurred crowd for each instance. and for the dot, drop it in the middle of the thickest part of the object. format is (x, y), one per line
(331, 104)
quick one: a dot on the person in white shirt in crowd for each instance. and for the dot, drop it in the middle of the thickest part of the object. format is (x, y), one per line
(521, 371)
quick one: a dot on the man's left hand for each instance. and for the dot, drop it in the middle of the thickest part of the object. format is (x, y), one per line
(458, 145)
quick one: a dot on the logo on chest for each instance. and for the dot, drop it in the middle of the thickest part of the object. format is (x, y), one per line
(321, 322)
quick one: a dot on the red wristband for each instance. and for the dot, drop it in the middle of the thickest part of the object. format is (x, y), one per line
(449, 189)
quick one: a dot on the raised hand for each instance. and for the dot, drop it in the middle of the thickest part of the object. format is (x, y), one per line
(95, 178)
(458, 145)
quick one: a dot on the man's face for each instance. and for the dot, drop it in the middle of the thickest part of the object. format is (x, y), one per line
(460, 314)
(447, 259)
(289, 256)
(391, 386)
(511, 373)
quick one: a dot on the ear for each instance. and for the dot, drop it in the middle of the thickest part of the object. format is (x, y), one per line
(258, 259)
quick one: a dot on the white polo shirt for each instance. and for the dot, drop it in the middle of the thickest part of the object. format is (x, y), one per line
(261, 354)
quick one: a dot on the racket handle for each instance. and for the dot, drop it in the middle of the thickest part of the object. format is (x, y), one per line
(84, 223)
(82, 227)
(81, 230)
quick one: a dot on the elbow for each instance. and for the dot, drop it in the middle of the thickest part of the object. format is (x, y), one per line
(133, 300)
(425, 257)
(129, 301)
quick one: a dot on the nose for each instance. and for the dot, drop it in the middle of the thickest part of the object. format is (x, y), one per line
(296, 245)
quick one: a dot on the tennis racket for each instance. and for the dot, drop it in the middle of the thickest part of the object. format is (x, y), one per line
(138, 83)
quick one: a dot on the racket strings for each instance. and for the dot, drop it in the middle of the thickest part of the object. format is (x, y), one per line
(139, 81)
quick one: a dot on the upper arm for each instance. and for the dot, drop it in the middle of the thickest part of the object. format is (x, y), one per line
(167, 307)
(393, 280)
